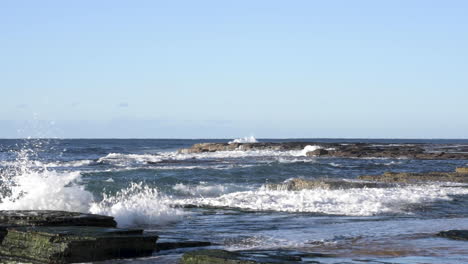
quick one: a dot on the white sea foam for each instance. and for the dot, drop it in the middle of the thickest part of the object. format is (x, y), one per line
(308, 148)
(137, 205)
(120, 159)
(353, 202)
(250, 139)
(45, 190)
(204, 189)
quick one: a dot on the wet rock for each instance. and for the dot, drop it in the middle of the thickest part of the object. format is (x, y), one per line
(181, 244)
(318, 153)
(53, 218)
(67, 244)
(302, 184)
(217, 256)
(410, 177)
(454, 234)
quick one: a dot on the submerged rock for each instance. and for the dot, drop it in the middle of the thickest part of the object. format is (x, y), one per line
(454, 234)
(67, 244)
(218, 256)
(411, 177)
(302, 184)
(181, 244)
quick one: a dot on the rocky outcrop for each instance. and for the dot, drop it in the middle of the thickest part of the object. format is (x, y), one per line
(454, 234)
(213, 147)
(66, 237)
(410, 177)
(303, 184)
(318, 153)
(53, 218)
(69, 244)
(345, 150)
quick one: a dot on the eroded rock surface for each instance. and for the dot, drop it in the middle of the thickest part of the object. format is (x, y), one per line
(68, 244)
(411, 177)
(42, 236)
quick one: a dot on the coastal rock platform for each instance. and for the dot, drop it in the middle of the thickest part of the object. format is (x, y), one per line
(460, 175)
(37, 236)
(344, 150)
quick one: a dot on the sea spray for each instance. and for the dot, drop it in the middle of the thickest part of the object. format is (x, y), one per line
(28, 184)
(25, 186)
(250, 139)
(137, 205)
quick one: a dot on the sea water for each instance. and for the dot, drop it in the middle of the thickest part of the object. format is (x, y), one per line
(221, 197)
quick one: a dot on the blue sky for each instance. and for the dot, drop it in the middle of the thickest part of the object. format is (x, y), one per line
(201, 69)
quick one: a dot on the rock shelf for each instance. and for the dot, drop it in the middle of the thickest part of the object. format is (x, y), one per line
(68, 237)
(345, 150)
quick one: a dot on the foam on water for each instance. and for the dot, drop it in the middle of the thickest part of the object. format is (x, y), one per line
(120, 159)
(352, 202)
(250, 139)
(204, 189)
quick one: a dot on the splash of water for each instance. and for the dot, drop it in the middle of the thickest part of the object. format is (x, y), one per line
(137, 205)
(250, 139)
(26, 186)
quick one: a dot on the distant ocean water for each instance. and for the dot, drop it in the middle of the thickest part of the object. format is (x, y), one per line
(221, 196)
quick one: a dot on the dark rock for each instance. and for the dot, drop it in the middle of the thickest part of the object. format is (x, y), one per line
(348, 150)
(181, 244)
(66, 244)
(53, 218)
(302, 184)
(318, 153)
(454, 234)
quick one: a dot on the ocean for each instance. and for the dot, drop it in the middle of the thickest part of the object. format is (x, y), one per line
(221, 197)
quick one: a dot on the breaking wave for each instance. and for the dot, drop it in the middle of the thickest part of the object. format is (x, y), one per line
(352, 202)
(250, 139)
(26, 187)
(204, 189)
(137, 205)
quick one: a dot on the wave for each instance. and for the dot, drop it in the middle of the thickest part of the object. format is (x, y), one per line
(25, 187)
(138, 205)
(204, 189)
(352, 202)
(250, 139)
(44, 190)
(120, 159)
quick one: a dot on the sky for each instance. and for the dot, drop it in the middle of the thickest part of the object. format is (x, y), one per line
(227, 69)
